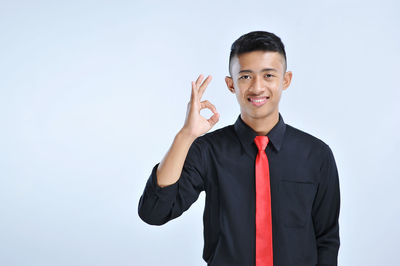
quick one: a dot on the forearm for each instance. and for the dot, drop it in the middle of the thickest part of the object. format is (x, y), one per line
(159, 204)
(170, 167)
(328, 247)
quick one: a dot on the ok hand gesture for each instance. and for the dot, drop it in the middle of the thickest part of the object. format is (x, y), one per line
(195, 124)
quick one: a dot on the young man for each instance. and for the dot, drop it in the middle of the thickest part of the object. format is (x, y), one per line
(272, 191)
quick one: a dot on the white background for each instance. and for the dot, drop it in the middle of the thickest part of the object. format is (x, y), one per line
(93, 92)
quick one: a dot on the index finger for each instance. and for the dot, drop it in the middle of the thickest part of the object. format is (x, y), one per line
(204, 86)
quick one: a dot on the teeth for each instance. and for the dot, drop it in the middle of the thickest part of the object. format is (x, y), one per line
(258, 100)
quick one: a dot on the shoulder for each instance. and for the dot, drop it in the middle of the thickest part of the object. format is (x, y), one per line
(218, 136)
(305, 141)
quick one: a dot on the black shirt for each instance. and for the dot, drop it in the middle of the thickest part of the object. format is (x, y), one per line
(305, 196)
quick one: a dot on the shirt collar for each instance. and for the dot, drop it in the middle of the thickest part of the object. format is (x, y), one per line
(247, 134)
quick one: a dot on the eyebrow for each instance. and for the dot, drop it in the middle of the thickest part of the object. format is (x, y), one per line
(263, 70)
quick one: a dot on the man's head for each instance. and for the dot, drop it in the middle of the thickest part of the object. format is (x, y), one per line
(257, 41)
(257, 65)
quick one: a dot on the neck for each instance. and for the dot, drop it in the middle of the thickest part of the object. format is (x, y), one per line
(262, 125)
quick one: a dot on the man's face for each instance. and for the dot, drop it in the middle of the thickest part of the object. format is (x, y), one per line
(258, 79)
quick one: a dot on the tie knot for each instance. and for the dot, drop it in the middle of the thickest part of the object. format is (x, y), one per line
(261, 142)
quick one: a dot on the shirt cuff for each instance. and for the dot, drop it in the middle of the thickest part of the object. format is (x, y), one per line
(163, 193)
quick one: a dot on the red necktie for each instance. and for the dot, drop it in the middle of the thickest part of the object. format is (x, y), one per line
(264, 252)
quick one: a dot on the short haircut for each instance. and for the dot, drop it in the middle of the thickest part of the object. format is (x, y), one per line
(257, 41)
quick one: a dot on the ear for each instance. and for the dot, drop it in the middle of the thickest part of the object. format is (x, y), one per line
(287, 79)
(229, 84)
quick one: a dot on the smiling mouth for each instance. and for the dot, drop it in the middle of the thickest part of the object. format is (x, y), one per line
(258, 101)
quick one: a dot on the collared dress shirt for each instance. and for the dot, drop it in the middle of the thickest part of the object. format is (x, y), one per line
(305, 196)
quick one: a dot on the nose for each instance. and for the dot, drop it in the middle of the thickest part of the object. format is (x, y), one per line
(257, 85)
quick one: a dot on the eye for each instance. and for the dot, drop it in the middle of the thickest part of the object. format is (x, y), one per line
(269, 75)
(245, 77)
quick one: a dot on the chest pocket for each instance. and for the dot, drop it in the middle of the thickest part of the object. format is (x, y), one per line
(296, 199)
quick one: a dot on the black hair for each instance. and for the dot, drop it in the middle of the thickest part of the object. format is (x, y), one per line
(257, 41)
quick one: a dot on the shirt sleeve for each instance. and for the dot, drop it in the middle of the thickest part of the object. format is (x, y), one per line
(325, 212)
(158, 205)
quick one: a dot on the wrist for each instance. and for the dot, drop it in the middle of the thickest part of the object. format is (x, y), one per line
(186, 134)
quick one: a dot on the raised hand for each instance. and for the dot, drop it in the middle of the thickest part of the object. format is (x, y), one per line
(195, 124)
